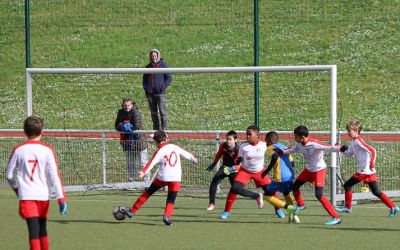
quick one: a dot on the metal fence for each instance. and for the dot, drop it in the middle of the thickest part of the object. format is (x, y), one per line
(95, 160)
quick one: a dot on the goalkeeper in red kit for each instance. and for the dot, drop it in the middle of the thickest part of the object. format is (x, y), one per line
(36, 170)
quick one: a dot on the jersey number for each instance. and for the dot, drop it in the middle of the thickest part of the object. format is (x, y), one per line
(33, 164)
(171, 160)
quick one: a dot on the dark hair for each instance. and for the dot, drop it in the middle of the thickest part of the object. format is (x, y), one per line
(159, 136)
(301, 131)
(33, 126)
(126, 99)
(232, 133)
(272, 135)
(254, 127)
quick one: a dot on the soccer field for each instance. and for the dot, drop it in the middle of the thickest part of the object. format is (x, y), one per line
(90, 225)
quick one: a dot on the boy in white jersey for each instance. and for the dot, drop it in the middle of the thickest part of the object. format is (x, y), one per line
(365, 156)
(168, 157)
(251, 160)
(314, 172)
(36, 170)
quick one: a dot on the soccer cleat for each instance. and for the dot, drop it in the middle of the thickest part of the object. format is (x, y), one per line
(333, 221)
(343, 209)
(394, 211)
(280, 213)
(298, 209)
(224, 215)
(210, 207)
(128, 213)
(260, 201)
(167, 221)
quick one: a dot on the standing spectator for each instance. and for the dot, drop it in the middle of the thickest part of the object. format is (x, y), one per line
(155, 86)
(133, 144)
(31, 171)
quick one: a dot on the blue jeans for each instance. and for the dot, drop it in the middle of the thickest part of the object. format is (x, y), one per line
(158, 103)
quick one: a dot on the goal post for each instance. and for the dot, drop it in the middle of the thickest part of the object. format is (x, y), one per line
(331, 69)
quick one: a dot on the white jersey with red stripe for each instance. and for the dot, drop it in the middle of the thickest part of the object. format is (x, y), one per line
(313, 153)
(253, 156)
(168, 157)
(36, 168)
(364, 155)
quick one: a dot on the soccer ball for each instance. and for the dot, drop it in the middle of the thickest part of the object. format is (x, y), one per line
(119, 212)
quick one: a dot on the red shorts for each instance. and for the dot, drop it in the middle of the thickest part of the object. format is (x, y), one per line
(318, 178)
(365, 178)
(32, 208)
(244, 177)
(173, 186)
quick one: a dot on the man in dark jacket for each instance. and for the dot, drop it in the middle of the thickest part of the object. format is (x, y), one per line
(133, 144)
(155, 86)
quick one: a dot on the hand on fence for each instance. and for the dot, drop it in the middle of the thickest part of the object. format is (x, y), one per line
(141, 174)
(211, 167)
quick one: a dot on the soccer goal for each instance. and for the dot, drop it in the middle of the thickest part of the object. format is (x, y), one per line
(199, 99)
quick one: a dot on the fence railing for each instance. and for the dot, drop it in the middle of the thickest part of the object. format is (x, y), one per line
(93, 159)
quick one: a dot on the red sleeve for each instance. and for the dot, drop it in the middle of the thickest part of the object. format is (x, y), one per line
(219, 153)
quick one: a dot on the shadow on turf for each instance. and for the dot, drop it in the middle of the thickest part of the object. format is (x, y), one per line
(355, 229)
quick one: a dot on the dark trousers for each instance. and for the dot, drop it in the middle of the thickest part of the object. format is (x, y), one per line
(218, 177)
(158, 104)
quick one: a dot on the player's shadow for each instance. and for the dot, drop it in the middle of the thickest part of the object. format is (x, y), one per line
(354, 229)
(109, 222)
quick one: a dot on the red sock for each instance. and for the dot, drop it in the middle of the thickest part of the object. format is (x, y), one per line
(348, 197)
(229, 201)
(34, 244)
(328, 207)
(276, 196)
(299, 199)
(44, 242)
(385, 199)
(169, 209)
(140, 201)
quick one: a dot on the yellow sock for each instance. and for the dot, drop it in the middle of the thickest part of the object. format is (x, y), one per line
(275, 201)
(289, 199)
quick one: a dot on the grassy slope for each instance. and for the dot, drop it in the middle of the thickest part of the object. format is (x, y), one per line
(361, 38)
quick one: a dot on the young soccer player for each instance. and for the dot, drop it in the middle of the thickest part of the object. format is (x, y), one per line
(365, 156)
(168, 157)
(36, 170)
(283, 174)
(314, 172)
(228, 151)
(251, 165)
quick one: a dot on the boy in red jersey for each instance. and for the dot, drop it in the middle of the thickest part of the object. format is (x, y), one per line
(228, 151)
(314, 172)
(251, 160)
(365, 156)
(168, 157)
(36, 167)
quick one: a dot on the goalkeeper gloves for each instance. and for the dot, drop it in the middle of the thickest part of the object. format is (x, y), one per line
(230, 170)
(343, 148)
(210, 167)
(63, 208)
(126, 127)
